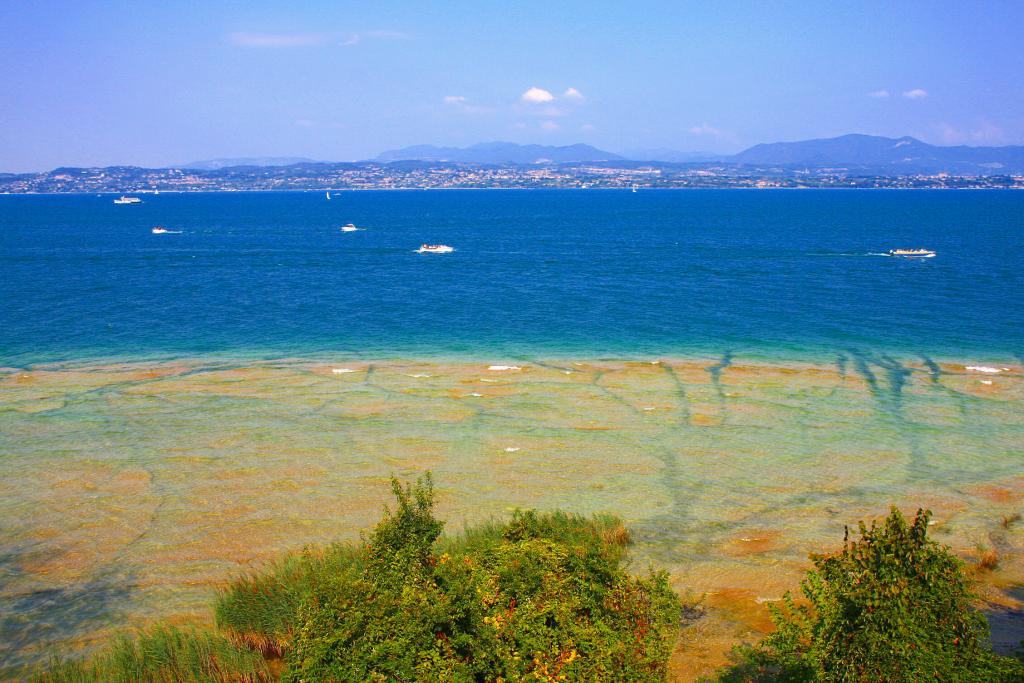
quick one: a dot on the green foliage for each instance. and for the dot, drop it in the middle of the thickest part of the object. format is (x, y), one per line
(403, 541)
(893, 606)
(544, 597)
(258, 609)
(164, 655)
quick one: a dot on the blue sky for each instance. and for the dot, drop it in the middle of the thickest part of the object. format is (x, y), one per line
(100, 83)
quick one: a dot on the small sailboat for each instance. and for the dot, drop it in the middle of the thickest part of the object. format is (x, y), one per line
(634, 189)
(328, 195)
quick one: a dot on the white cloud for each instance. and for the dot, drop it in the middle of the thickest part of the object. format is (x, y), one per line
(537, 95)
(463, 105)
(587, 127)
(550, 126)
(984, 133)
(386, 35)
(915, 94)
(246, 39)
(573, 94)
(705, 129)
(987, 132)
(356, 38)
(879, 94)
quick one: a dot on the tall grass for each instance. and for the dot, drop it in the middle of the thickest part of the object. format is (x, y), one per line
(164, 654)
(258, 609)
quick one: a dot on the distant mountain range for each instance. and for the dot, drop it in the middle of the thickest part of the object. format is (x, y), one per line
(217, 164)
(885, 156)
(500, 153)
(850, 156)
(866, 154)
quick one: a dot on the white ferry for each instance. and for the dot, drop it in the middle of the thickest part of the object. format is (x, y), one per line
(434, 249)
(912, 253)
(349, 228)
(127, 200)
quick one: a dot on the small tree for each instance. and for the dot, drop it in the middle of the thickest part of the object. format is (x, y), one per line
(893, 606)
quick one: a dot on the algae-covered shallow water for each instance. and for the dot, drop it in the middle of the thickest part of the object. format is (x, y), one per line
(130, 491)
(735, 374)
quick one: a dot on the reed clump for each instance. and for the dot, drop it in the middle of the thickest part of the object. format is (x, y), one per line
(162, 655)
(258, 609)
(988, 559)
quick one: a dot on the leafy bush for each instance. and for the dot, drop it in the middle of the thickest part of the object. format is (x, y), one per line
(164, 655)
(541, 597)
(544, 597)
(893, 606)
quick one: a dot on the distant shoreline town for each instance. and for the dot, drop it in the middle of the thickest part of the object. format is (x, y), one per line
(399, 176)
(850, 161)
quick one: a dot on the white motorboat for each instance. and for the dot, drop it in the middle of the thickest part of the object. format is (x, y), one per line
(435, 249)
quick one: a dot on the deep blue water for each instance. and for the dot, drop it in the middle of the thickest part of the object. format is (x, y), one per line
(552, 273)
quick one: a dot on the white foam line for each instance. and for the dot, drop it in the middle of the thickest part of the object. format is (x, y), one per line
(342, 371)
(983, 368)
(504, 367)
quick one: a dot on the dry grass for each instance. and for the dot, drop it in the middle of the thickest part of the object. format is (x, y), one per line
(617, 535)
(1010, 520)
(988, 560)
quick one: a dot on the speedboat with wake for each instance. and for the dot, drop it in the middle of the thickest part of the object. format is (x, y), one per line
(435, 249)
(349, 228)
(159, 230)
(912, 253)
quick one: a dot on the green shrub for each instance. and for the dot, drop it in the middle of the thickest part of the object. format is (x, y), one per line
(893, 606)
(164, 655)
(544, 597)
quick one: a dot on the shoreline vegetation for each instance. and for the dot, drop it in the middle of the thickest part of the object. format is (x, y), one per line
(547, 597)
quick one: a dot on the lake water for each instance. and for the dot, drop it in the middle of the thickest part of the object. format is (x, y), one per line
(737, 374)
(535, 272)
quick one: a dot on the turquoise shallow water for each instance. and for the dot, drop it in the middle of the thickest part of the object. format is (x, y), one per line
(734, 373)
(549, 273)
